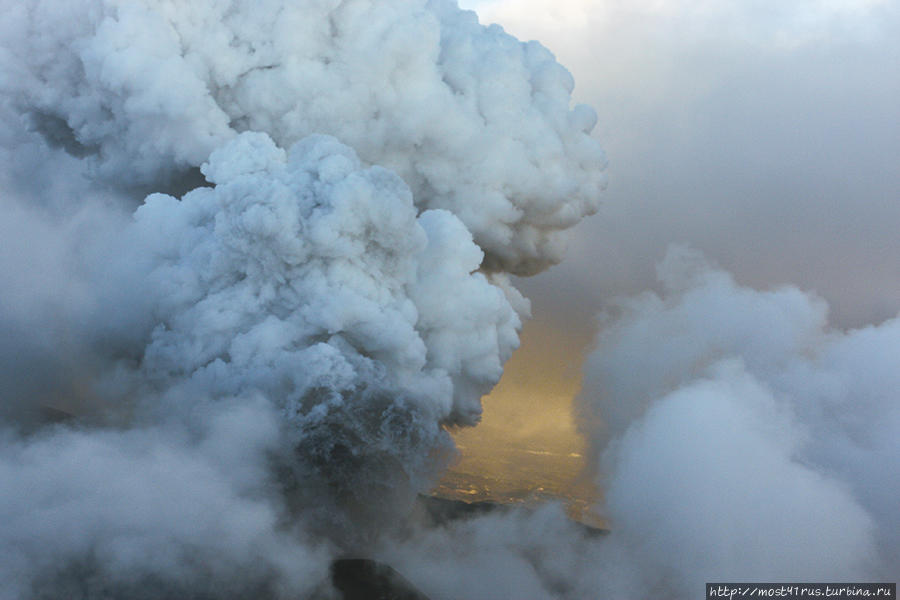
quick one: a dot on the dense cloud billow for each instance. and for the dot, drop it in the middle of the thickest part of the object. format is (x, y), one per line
(256, 256)
(178, 509)
(311, 280)
(261, 252)
(473, 120)
(735, 435)
(737, 427)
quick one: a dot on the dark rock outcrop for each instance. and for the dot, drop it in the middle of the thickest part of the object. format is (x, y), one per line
(365, 579)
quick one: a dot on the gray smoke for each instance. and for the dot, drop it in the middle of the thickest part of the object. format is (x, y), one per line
(473, 120)
(263, 352)
(170, 510)
(738, 427)
(262, 251)
(310, 280)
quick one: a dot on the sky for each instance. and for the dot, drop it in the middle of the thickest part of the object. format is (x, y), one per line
(764, 134)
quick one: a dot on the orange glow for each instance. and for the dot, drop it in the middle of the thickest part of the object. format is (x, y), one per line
(527, 447)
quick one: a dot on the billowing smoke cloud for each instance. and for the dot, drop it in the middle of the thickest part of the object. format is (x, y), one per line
(263, 352)
(304, 277)
(735, 435)
(739, 437)
(173, 510)
(262, 368)
(473, 120)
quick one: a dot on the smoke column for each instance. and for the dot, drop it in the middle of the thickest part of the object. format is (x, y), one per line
(263, 251)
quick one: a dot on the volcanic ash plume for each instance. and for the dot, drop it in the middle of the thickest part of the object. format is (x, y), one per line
(311, 280)
(739, 437)
(263, 364)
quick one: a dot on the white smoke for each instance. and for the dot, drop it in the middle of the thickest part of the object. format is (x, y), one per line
(765, 134)
(149, 512)
(262, 368)
(735, 435)
(311, 280)
(739, 437)
(473, 120)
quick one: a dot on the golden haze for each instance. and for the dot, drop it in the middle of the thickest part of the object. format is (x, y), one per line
(527, 448)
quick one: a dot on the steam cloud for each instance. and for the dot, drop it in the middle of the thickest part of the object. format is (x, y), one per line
(740, 429)
(473, 120)
(262, 365)
(264, 349)
(736, 436)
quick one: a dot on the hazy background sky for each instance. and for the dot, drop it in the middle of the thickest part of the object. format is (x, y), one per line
(764, 134)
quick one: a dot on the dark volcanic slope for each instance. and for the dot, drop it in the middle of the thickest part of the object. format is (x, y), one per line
(364, 579)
